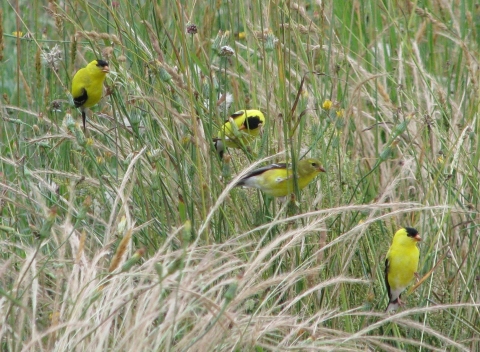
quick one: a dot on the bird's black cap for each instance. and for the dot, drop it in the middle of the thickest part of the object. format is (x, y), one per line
(411, 232)
(102, 63)
(252, 122)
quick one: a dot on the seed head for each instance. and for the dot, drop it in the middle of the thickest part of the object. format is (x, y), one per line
(192, 28)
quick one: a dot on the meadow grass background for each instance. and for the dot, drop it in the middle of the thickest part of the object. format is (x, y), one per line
(131, 236)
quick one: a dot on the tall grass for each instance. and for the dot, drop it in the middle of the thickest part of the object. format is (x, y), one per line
(131, 236)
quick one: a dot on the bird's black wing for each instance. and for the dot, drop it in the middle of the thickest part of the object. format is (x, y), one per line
(237, 114)
(387, 268)
(80, 100)
(260, 171)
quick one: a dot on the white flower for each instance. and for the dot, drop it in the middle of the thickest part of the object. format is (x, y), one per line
(226, 51)
(52, 57)
(223, 102)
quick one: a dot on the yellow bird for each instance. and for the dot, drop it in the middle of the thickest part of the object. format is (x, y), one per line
(239, 130)
(401, 264)
(87, 85)
(276, 180)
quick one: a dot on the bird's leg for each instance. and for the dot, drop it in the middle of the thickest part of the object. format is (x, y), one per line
(417, 276)
(292, 205)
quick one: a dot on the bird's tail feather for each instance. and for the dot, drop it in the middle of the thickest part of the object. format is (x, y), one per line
(84, 118)
(219, 147)
(392, 306)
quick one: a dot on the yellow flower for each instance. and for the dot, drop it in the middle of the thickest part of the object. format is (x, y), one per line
(327, 104)
(17, 34)
(340, 113)
(241, 35)
(186, 140)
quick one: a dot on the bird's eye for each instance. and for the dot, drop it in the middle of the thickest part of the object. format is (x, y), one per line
(314, 164)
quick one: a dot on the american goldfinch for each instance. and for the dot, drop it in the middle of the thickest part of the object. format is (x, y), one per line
(239, 130)
(87, 85)
(276, 180)
(401, 264)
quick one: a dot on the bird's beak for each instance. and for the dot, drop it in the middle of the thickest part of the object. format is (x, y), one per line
(106, 69)
(417, 238)
(321, 169)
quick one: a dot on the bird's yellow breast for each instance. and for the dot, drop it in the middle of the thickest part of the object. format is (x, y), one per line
(279, 182)
(237, 132)
(91, 82)
(403, 264)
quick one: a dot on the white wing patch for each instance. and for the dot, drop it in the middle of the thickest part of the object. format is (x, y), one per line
(282, 179)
